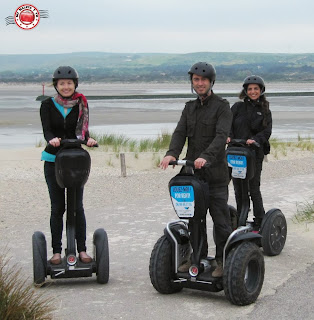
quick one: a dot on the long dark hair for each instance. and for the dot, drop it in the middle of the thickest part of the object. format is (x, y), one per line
(262, 101)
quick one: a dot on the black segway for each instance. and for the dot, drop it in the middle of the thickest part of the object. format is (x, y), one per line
(241, 159)
(72, 170)
(243, 261)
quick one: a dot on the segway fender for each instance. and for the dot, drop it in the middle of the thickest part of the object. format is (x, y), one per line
(179, 232)
(249, 236)
(178, 236)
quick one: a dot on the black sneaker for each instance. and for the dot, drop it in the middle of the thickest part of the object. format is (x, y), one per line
(257, 224)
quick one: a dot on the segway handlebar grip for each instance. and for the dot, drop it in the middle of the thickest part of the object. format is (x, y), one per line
(256, 144)
(76, 142)
(242, 143)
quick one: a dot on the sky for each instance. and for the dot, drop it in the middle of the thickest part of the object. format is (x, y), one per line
(168, 26)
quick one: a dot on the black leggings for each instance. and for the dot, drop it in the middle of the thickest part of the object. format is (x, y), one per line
(57, 198)
(255, 192)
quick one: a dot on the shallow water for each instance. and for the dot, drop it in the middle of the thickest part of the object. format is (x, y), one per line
(292, 115)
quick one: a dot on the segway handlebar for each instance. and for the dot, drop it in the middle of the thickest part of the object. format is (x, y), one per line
(242, 143)
(75, 142)
(187, 163)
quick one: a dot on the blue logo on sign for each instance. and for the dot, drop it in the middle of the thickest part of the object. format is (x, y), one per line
(235, 161)
(182, 193)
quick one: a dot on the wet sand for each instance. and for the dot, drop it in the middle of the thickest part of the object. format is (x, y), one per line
(26, 117)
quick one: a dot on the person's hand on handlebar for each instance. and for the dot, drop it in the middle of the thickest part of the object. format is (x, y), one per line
(199, 163)
(250, 141)
(55, 142)
(91, 142)
(164, 163)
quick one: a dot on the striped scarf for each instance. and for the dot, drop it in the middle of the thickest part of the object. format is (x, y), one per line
(82, 122)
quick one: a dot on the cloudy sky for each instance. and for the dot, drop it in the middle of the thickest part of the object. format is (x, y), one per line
(173, 26)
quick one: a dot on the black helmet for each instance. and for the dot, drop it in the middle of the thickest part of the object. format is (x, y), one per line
(254, 80)
(65, 72)
(204, 69)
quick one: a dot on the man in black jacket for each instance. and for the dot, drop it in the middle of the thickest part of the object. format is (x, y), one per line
(206, 122)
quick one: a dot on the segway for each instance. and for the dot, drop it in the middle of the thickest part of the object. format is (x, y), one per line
(241, 159)
(243, 261)
(72, 167)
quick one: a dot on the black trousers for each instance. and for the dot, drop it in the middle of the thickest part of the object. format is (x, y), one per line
(219, 211)
(255, 192)
(57, 199)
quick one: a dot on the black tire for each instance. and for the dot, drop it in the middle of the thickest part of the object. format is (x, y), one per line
(274, 233)
(39, 257)
(161, 267)
(100, 241)
(244, 273)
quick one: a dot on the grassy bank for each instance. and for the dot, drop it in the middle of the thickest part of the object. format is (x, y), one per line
(279, 147)
(305, 213)
(120, 143)
(18, 300)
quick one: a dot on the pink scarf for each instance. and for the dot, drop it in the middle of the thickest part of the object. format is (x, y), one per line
(82, 121)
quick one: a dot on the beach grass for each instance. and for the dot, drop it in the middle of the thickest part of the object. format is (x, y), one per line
(305, 213)
(19, 300)
(280, 147)
(119, 143)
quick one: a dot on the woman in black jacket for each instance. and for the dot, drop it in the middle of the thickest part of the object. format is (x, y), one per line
(252, 121)
(65, 116)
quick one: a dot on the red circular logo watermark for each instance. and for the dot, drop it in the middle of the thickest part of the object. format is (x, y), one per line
(27, 16)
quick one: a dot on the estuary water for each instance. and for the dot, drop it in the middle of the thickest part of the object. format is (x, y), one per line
(20, 125)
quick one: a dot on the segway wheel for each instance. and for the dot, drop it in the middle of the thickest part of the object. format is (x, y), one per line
(244, 273)
(161, 270)
(100, 241)
(274, 232)
(39, 257)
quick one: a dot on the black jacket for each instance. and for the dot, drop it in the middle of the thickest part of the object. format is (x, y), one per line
(247, 123)
(206, 125)
(55, 125)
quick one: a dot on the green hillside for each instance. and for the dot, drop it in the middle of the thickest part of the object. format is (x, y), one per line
(110, 67)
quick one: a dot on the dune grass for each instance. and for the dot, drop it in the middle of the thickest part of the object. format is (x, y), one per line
(19, 300)
(118, 143)
(278, 147)
(305, 213)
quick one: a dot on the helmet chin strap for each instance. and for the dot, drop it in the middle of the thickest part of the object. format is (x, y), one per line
(202, 96)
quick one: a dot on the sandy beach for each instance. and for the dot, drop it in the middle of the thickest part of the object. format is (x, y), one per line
(134, 210)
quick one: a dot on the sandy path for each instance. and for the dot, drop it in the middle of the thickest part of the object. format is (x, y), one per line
(134, 211)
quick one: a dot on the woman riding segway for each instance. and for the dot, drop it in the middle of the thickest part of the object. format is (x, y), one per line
(65, 116)
(252, 121)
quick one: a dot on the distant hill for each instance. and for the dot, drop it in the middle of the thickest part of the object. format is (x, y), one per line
(130, 67)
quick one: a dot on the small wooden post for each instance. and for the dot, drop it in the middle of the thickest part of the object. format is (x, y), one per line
(43, 84)
(123, 167)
